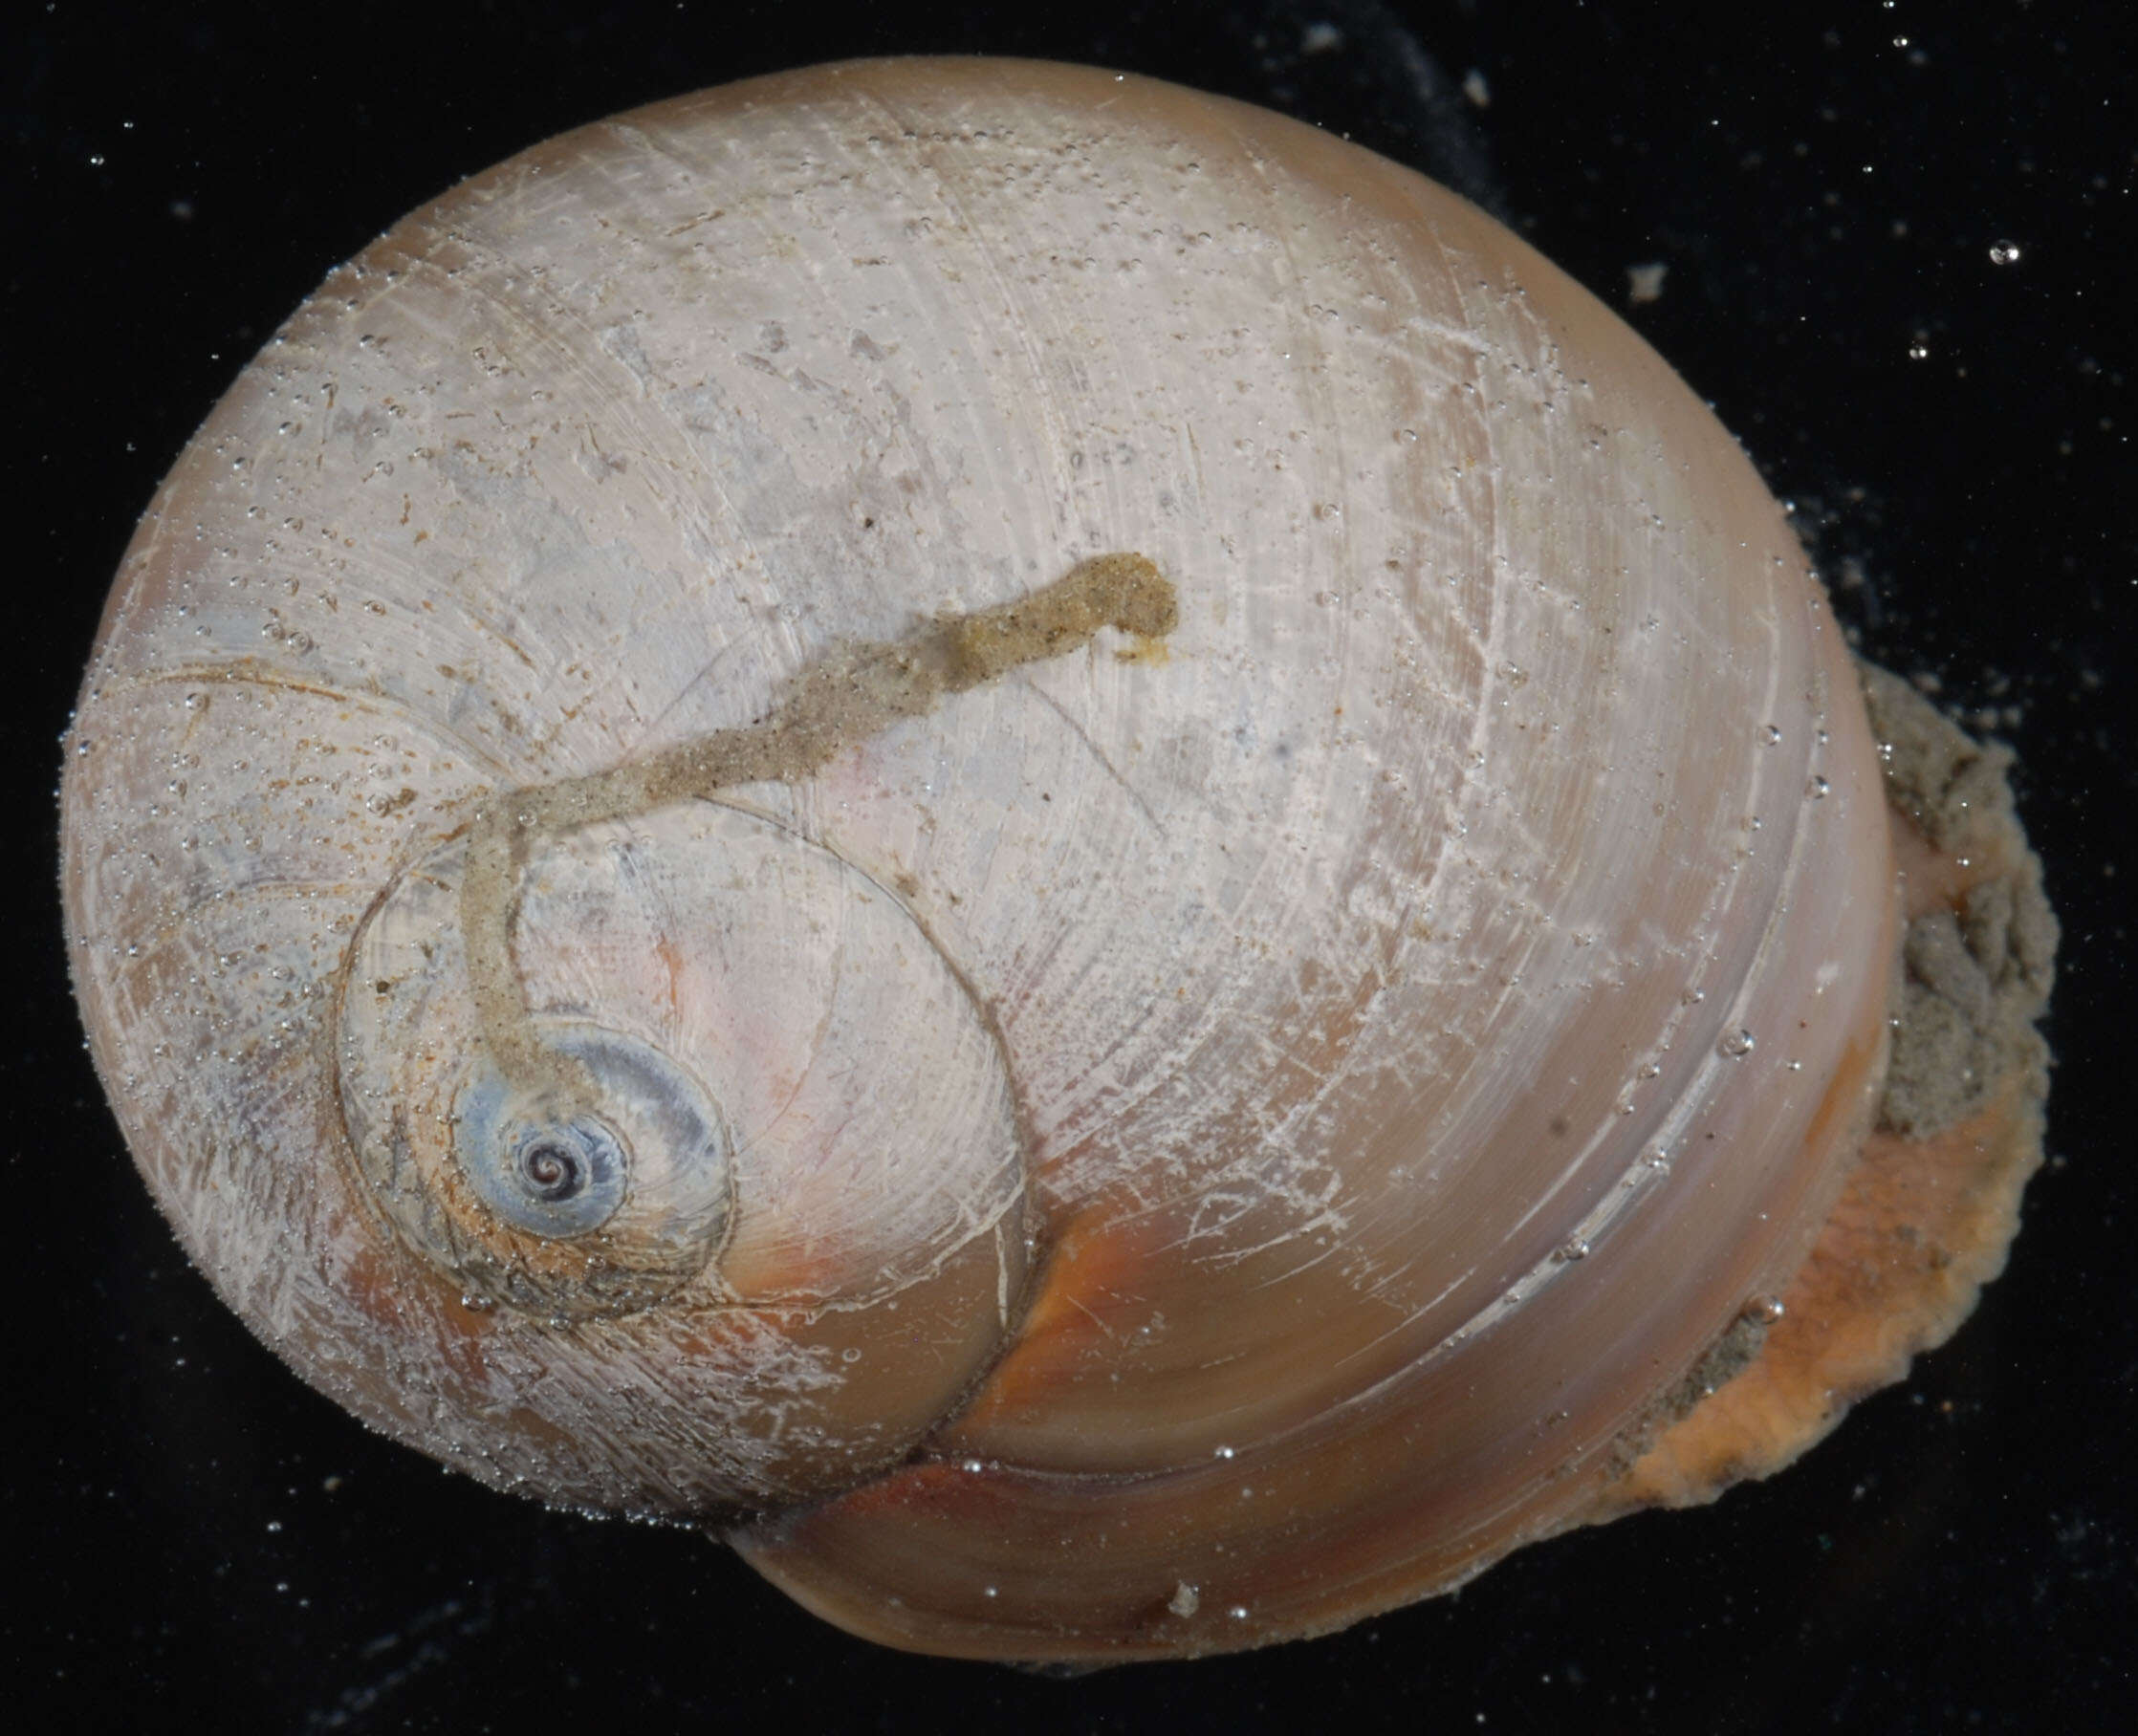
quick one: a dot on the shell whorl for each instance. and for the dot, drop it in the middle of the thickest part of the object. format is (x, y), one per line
(575, 1158)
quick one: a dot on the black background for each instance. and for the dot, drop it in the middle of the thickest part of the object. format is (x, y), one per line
(192, 1534)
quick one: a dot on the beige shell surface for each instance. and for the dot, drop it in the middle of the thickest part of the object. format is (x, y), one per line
(1252, 1110)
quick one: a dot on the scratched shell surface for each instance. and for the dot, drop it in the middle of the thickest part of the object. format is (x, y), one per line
(1397, 1020)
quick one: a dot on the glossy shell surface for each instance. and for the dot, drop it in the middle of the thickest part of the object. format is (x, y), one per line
(1224, 1112)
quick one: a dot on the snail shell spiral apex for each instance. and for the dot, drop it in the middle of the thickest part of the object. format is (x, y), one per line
(1043, 841)
(698, 931)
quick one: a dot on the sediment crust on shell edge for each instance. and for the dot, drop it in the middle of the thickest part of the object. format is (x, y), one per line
(1926, 1220)
(1977, 976)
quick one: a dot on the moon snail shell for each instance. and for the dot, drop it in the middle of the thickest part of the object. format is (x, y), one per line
(1050, 846)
